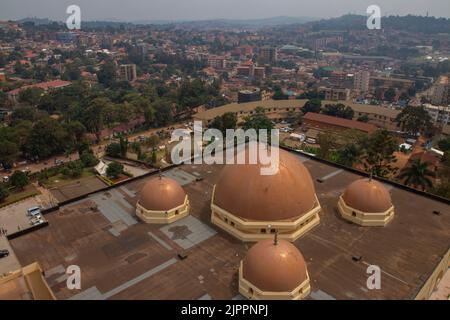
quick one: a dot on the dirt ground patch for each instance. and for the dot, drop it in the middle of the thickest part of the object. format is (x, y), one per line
(78, 188)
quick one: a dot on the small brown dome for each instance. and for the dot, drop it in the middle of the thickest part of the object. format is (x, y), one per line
(162, 194)
(368, 196)
(275, 268)
(244, 192)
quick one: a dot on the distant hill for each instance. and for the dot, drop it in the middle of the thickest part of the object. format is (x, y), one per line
(404, 23)
(36, 21)
(274, 21)
(208, 24)
(418, 24)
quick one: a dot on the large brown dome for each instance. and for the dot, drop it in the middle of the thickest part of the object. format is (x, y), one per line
(244, 192)
(275, 268)
(368, 196)
(162, 194)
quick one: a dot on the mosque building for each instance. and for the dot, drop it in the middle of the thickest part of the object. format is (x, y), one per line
(275, 270)
(162, 201)
(366, 202)
(253, 207)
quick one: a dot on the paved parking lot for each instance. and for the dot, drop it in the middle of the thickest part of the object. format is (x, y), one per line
(9, 263)
(14, 217)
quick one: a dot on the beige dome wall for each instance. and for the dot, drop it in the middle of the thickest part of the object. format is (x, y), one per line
(162, 201)
(252, 207)
(274, 271)
(366, 202)
(163, 217)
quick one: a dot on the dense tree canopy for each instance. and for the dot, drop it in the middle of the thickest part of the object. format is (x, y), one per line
(414, 120)
(379, 155)
(258, 121)
(226, 121)
(19, 179)
(47, 137)
(313, 105)
(338, 110)
(114, 170)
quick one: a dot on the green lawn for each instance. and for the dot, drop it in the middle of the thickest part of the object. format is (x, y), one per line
(15, 196)
(60, 180)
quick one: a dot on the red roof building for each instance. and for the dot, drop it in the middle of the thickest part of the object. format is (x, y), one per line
(46, 86)
(324, 122)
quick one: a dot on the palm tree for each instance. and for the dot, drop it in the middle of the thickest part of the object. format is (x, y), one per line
(418, 174)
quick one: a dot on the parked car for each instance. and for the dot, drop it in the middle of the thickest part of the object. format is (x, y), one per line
(36, 222)
(4, 253)
(34, 211)
(36, 217)
(286, 129)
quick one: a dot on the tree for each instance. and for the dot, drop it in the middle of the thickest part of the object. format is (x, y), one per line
(327, 143)
(123, 142)
(47, 137)
(390, 94)
(295, 118)
(443, 188)
(226, 121)
(163, 112)
(88, 159)
(75, 131)
(153, 140)
(417, 174)
(349, 154)
(19, 179)
(154, 159)
(444, 144)
(314, 94)
(279, 95)
(30, 96)
(92, 117)
(114, 150)
(83, 147)
(379, 155)
(258, 121)
(107, 74)
(3, 193)
(72, 72)
(9, 153)
(149, 115)
(73, 170)
(363, 118)
(313, 105)
(136, 147)
(338, 110)
(114, 170)
(24, 113)
(414, 120)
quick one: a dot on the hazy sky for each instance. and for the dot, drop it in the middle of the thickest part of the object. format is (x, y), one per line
(208, 9)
